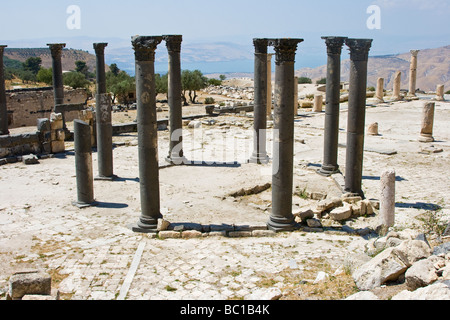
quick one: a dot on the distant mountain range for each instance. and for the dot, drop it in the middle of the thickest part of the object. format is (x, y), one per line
(433, 64)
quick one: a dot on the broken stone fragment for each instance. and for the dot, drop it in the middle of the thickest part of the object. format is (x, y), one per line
(341, 213)
(328, 204)
(29, 283)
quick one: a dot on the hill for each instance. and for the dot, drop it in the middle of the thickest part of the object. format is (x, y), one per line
(69, 56)
(433, 69)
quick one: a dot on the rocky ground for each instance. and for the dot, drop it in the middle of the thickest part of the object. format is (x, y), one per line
(92, 254)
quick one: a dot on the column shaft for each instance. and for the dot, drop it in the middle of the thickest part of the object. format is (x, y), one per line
(397, 85)
(147, 133)
(269, 86)
(103, 119)
(281, 218)
(359, 52)
(260, 110)
(331, 136)
(58, 83)
(413, 73)
(176, 154)
(3, 106)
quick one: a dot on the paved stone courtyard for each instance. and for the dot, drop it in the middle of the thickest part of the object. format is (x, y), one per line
(92, 254)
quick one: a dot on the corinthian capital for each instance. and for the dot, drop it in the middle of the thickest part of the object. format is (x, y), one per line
(261, 45)
(56, 49)
(100, 48)
(285, 49)
(334, 44)
(359, 48)
(173, 42)
(145, 46)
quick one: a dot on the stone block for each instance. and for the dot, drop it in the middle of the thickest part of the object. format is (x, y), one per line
(239, 234)
(169, 234)
(56, 124)
(29, 282)
(58, 146)
(190, 234)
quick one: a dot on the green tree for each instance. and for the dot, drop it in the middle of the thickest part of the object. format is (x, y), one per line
(322, 81)
(120, 85)
(114, 69)
(303, 80)
(222, 77)
(162, 83)
(191, 82)
(45, 75)
(32, 64)
(75, 80)
(81, 67)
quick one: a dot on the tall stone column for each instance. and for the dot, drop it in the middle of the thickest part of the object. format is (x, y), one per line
(144, 47)
(103, 119)
(359, 54)
(331, 136)
(296, 96)
(281, 218)
(440, 92)
(380, 90)
(387, 199)
(83, 164)
(58, 84)
(426, 132)
(3, 107)
(413, 73)
(260, 110)
(269, 86)
(397, 86)
(176, 155)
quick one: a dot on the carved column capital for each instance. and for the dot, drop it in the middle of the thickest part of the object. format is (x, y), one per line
(100, 48)
(2, 48)
(145, 46)
(414, 53)
(359, 48)
(334, 44)
(56, 49)
(260, 45)
(173, 43)
(285, 49)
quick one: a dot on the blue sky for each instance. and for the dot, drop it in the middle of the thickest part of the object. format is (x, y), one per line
(405, 24)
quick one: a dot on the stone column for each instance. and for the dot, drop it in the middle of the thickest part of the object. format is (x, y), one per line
(58, 84)
(269, 86)
(144, 47)
(331, 135)
(103, 119)
(380, 90)
(387, 199)
(3, 107)
(359, 54)
(83, 164)
(281, 218)
(440, 93)
(176, 155)
(413, 73)
(397, 85)
(318, 102)
(426, 133)
(260, 112)
(296, 96)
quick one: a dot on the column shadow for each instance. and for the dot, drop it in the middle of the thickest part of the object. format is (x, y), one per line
(111, 205)
(419, 206)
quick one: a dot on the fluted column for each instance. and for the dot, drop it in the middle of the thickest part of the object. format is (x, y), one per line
(144, 47)
(359, 54)
(331, 136)
(281, 218)
(103, 119)
(260, 110)
(413, 73)
(3, 106)
(176, 154)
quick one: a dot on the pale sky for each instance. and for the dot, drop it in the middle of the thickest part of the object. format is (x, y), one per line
(404, 24)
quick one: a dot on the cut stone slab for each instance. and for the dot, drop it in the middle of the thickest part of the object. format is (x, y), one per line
(29, 283)
(341, 213)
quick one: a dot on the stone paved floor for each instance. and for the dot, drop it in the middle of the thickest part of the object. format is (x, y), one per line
(95, 255)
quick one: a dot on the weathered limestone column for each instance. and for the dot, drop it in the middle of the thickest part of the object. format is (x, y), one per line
(144, 47)
(387, 199)
(359, 54)
(259, 154)
(296, 96)
(397, 86)
(58, 84)
(380, 90)
(176, 155)
(331, 135)
(3, 107)
(103, 119)
(318, 102)
(83, 164)
(281, 218)
(269, 86)
(440, 93)
(413, 73)
(426, 133)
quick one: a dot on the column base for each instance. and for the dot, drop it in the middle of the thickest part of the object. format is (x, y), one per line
(425, 139)
(328, 171)
(145, 225)
(82, 205)
(138, 229)
(177, 161)
(101, 178)
(4, 133)
(262, 158)
(282, 224)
